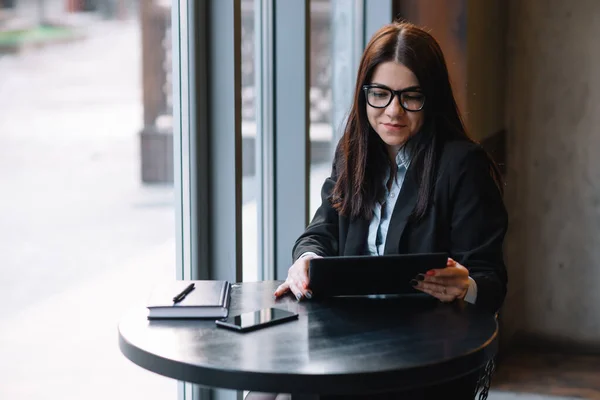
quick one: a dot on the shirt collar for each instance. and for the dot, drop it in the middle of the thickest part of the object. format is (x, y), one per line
(403, 157)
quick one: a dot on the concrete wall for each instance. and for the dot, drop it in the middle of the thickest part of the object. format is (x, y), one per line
(553, 177)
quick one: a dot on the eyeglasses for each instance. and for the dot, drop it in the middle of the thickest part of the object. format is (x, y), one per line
(380, 97)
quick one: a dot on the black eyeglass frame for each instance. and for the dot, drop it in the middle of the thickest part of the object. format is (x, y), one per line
(395, 93)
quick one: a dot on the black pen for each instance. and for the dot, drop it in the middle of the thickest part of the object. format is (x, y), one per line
(182, 295)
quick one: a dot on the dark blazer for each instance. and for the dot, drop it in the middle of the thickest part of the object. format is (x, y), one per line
(467, 219)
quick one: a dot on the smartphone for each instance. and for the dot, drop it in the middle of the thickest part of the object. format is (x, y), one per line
(256, 319)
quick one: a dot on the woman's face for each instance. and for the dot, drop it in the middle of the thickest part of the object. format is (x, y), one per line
(393, 124)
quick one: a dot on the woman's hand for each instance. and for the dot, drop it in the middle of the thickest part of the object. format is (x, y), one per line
(297, 279)
(446, 284)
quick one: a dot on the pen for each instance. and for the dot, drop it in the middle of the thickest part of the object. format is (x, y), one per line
(182, 295)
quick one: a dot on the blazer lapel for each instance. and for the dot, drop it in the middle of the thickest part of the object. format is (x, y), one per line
(356, 239)
(405, 204)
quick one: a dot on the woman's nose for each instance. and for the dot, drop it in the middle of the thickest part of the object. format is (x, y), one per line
(394, 108)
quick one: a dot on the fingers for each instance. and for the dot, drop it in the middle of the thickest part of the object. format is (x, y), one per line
(436, 291)
(296, 290)
(458, 281)
(300, 282)
(282, 289)
(291, 285)
(440, 291)
(445, 284)
(452, 276)
(300, 277)
(297, 280)
(452, 269)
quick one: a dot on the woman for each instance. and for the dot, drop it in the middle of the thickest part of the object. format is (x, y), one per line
(407, 179)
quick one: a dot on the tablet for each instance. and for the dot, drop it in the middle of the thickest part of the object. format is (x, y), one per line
(370, 275)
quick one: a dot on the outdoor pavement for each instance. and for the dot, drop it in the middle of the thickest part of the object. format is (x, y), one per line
(81, 238)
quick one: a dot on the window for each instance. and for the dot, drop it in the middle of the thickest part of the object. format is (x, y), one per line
(336, 46)
(274, 122)
(98, 152)
(250, 184)
(320, 98)
(87, 211)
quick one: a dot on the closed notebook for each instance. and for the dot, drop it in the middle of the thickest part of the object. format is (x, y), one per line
(209, 299)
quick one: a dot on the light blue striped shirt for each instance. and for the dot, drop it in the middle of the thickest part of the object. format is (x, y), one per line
(383, 211)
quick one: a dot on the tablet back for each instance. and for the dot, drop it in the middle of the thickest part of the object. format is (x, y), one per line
(364, 275)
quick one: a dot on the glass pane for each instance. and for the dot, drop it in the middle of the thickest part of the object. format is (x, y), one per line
(335, 45)
(87, 212)
(250, 187)
(321, 124)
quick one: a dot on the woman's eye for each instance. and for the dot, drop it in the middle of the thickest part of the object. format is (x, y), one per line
(379, 94)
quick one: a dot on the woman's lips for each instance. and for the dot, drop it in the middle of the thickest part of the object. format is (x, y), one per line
(394, 126)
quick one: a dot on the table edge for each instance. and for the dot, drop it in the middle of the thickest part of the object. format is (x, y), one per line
(356, 382)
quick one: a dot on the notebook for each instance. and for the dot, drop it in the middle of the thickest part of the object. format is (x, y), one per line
(208, 299)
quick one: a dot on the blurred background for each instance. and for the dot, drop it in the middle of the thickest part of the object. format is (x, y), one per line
(87, 170)
(81, 233)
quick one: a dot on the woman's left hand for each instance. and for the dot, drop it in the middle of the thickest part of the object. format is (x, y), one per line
(446, 284)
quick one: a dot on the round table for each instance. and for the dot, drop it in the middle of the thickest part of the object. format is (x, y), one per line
(337, 345)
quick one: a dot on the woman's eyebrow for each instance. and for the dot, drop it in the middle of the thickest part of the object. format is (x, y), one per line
(414, 87)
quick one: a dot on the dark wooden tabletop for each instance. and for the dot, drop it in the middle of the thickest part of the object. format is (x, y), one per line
(337, 346)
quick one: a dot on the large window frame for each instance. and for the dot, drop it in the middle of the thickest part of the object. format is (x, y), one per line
(207, 135)
(184, 148)
(208, 176)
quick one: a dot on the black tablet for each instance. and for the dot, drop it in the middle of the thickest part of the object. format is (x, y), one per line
(367, 275)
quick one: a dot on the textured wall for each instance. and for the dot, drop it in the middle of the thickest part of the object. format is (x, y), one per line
(553, 178)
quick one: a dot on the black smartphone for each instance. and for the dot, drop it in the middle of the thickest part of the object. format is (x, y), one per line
(256, 319)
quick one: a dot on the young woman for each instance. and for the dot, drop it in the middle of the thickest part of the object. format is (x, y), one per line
(407, 179)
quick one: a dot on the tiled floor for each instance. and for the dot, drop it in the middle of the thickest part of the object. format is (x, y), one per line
(528, 375)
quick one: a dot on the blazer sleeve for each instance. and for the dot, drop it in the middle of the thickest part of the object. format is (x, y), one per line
(478, 225)
(322, 234)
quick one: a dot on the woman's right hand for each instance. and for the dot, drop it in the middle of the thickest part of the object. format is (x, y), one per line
(297, 279)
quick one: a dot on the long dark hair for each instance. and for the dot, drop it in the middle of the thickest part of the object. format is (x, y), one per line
(362, 159)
